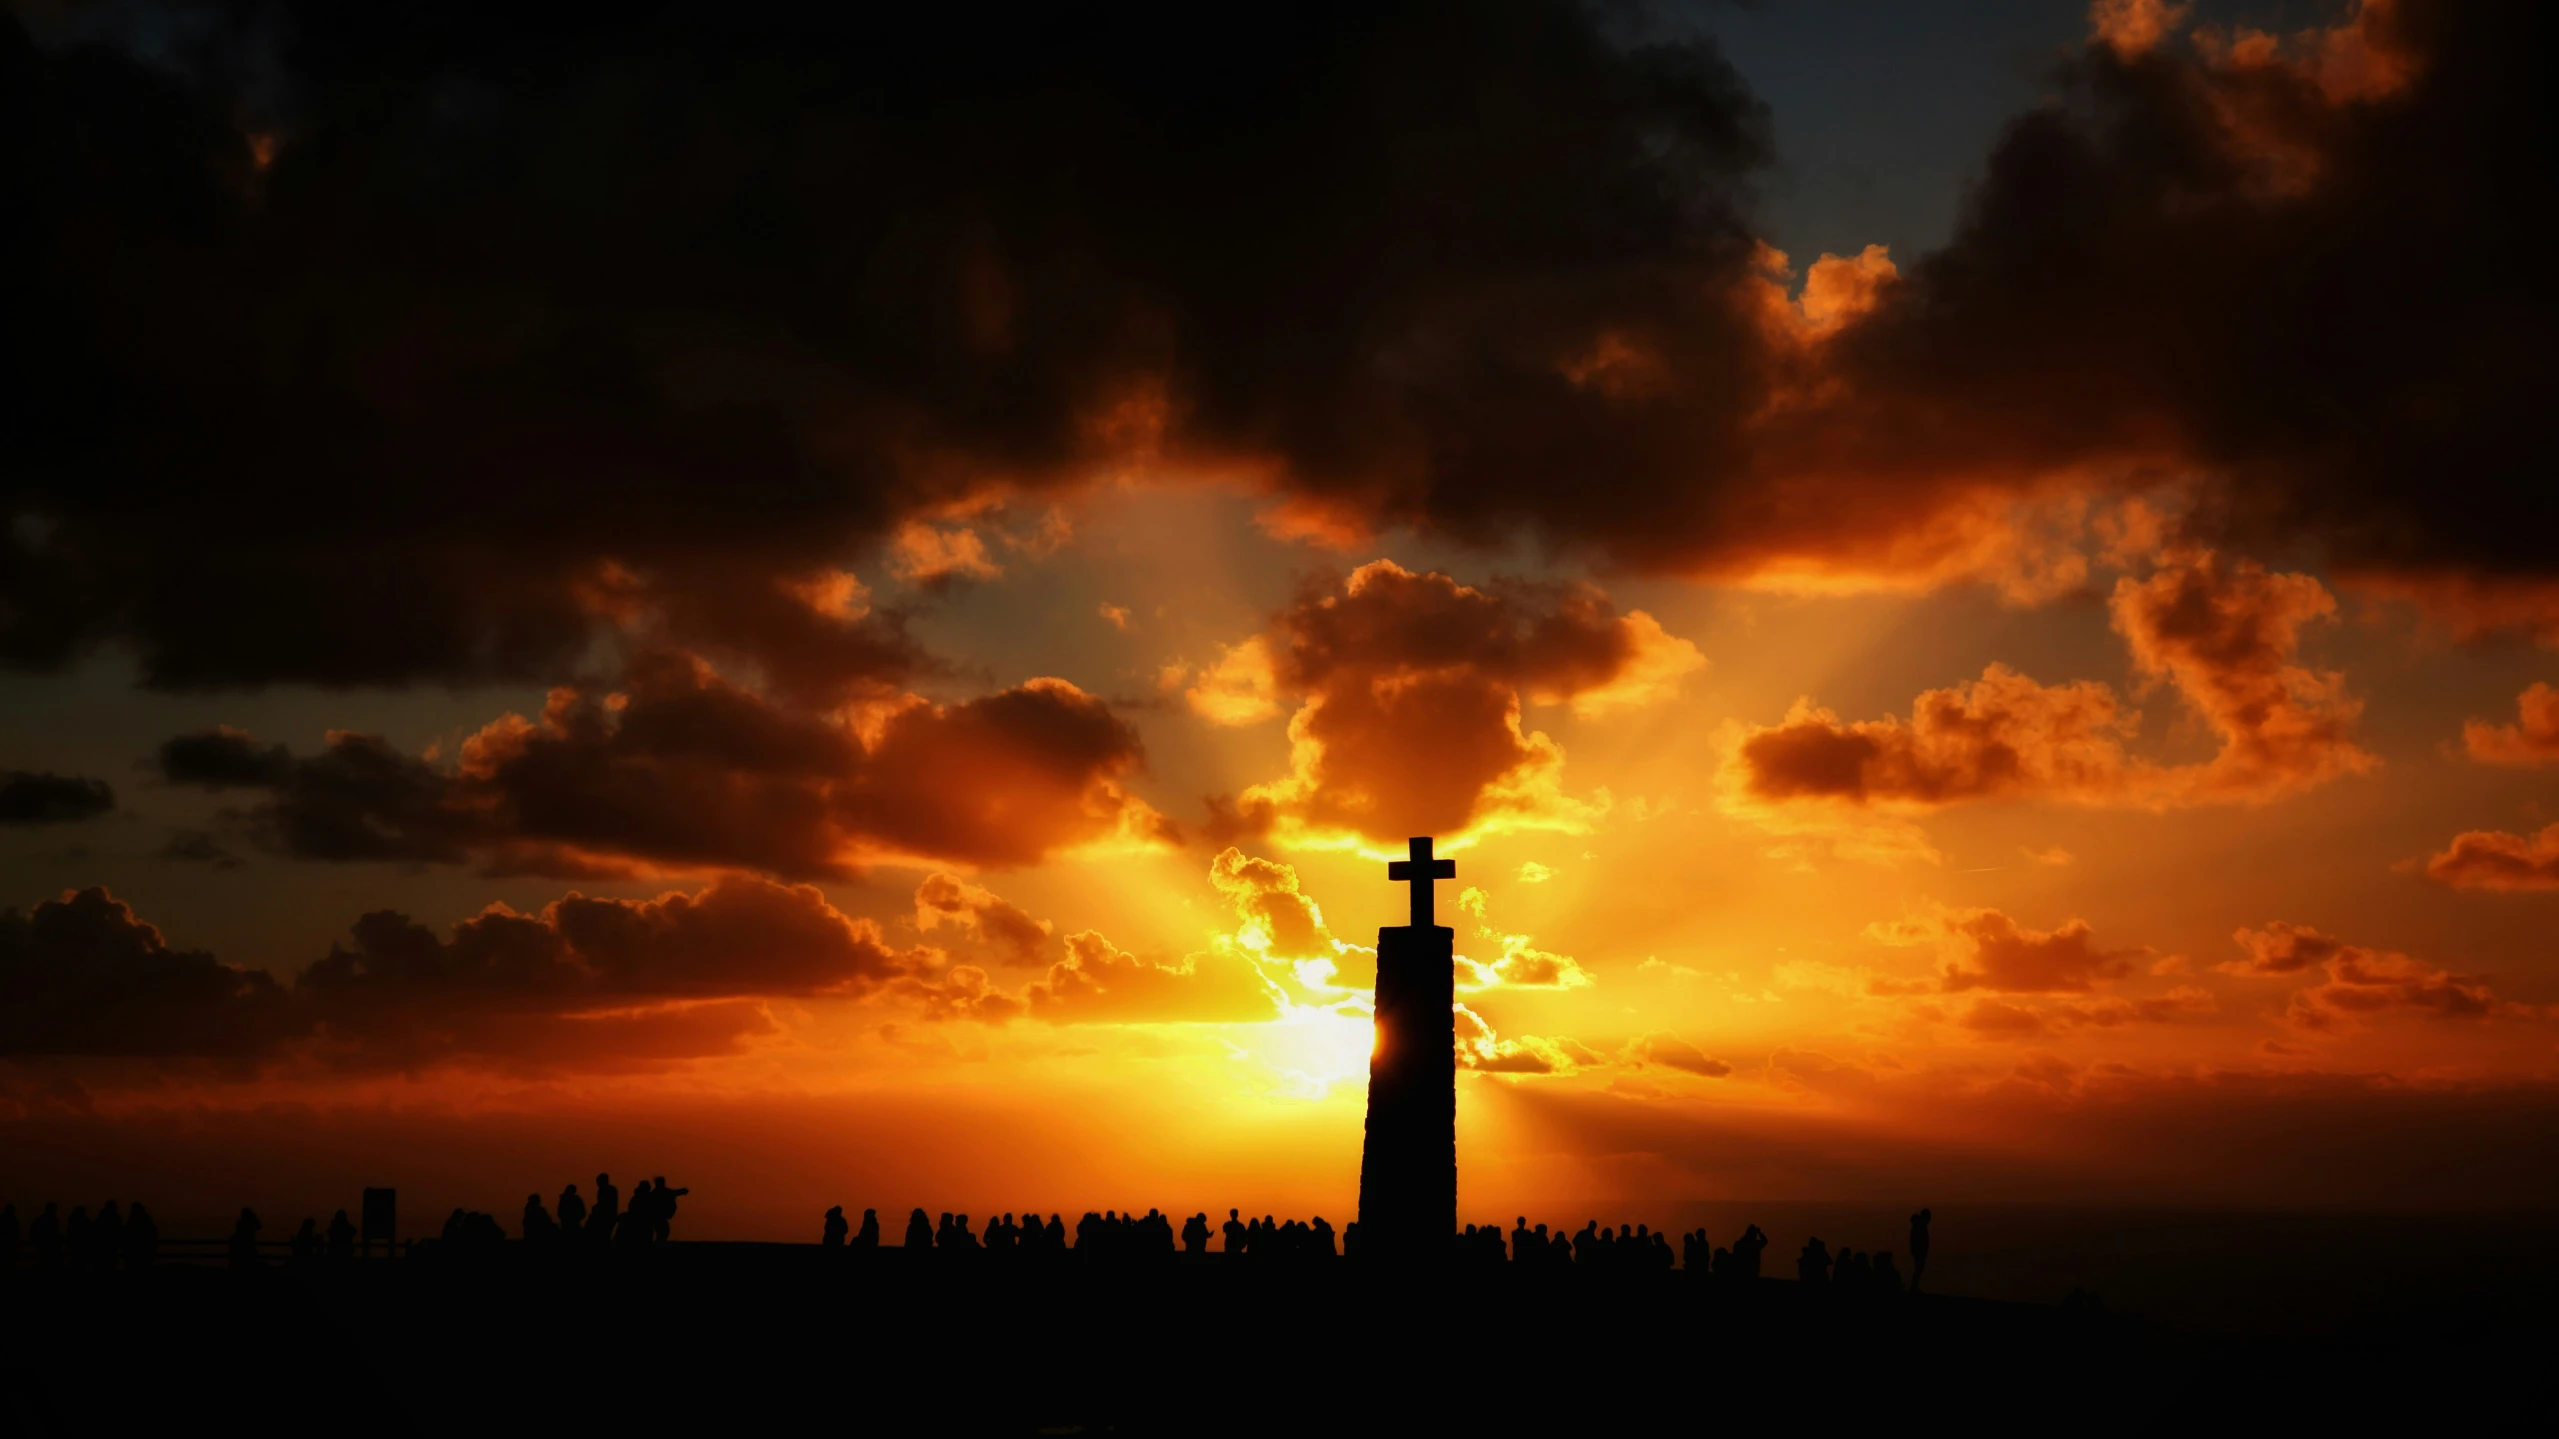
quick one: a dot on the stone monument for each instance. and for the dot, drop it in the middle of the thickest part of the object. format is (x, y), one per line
(1408, 1163)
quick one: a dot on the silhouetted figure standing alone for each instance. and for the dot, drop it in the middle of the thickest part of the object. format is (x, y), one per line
(836, 1228)
(919, 1231)
(868, 1236)
(108, 1237)
(341, 1235)
(608, 1203)
(1919, 1247)
(141, 1238)
(44, 1236)
(244, 1240)
(572, 1213)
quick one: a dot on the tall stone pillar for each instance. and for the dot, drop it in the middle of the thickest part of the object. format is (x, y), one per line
(1408, 1164)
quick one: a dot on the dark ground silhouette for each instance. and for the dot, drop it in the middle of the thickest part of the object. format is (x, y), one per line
(1132, 1323)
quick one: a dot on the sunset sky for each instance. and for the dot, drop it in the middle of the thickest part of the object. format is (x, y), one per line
(849, 609)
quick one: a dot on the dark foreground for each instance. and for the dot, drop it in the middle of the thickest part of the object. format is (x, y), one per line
(720, 1338)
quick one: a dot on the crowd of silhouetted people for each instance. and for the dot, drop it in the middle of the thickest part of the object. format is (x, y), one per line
(1626, 1249)
(109, 1240)
(648, 1219)
(115, 1239)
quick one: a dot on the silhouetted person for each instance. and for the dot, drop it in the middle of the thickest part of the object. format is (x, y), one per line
(306, 1243)
(1849, 1272)
(1812, 1264)
(662, 1206)
(244, 1239)
(1195, 1234)
(836, 1228)
(538, 1228)
(572, 1210)
(1056, 1233)
(1919, 1247)
(919, 1231)
(1237, 1236)
(106, 1236)
(637, 1224)
(608, 1202)
(341, 1235)
(868, 1237)
(44, 1237)
(141, 1238)
(1746, 1252)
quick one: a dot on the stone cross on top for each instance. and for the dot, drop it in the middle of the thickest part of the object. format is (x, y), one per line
(1419, 871)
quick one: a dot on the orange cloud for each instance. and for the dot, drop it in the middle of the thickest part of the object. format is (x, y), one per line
(680, 771)
(922, 554)
(2000, 1020)
(1672, 1052)
(1521, 966)
(2004, 734)
(944, 899)
(1479, 1048)
(2225, 634)
(1410, 690)
(2134, 27)
(2363, 983)
(1985, 949)
(1098, 982)
(2533, 739)
(1279, 919)
(2493, 860)
(1239, 688)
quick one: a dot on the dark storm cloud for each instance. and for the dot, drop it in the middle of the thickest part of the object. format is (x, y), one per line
(29, 798)
(375, 343)
(460, 334)
(2310, 267)
(83, 975)
(583, 981)
(676, 769)
(357, 799)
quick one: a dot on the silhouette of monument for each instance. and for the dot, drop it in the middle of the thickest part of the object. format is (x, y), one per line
(1408, 1164)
